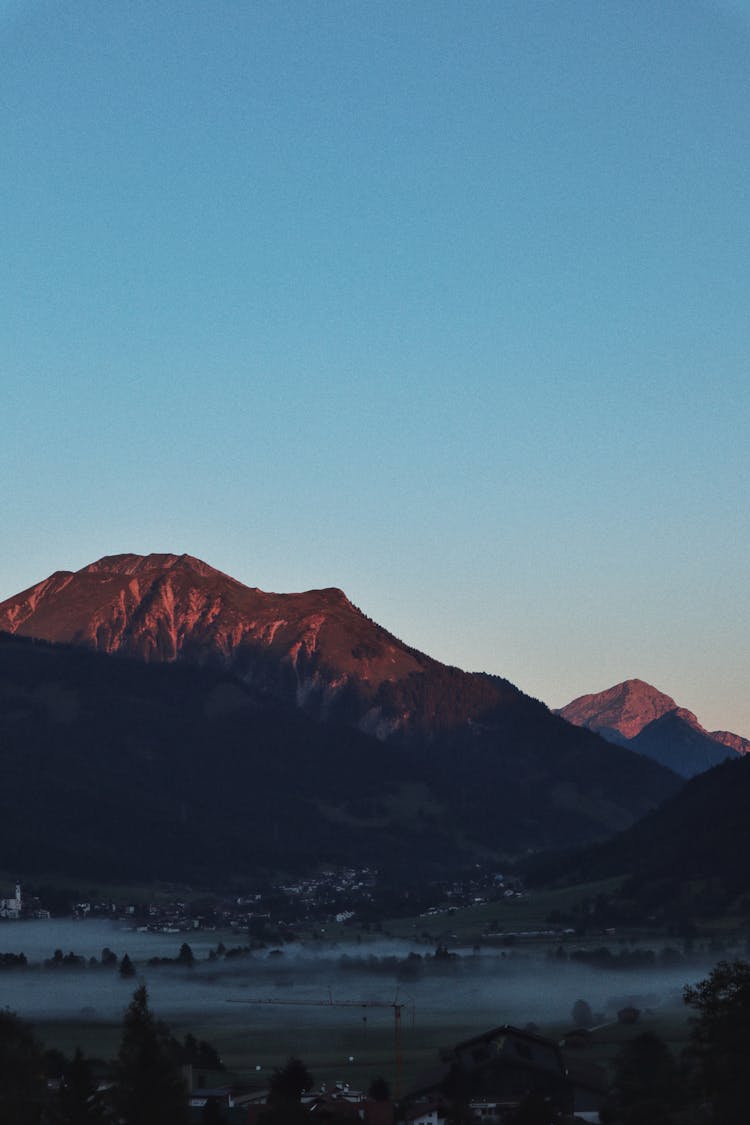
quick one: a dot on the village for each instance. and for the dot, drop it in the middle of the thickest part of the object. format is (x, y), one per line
(279, 911)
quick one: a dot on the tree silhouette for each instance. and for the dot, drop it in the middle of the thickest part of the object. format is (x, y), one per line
(127, 968)
(290, 1081)
(198, 1053)
(379, 1090)
(149, 1089)
(285, 1091)
(647, 1082)
(22, 1086)
(186, 956)
(720, 1039)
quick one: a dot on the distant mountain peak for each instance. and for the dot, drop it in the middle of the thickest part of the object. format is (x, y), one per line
(636, 714)
(627, 708)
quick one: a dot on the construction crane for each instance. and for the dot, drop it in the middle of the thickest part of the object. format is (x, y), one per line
(397, 1006)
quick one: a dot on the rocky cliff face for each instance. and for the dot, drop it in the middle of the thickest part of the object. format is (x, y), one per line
(314, 648)
(160, 607)
(637, 715)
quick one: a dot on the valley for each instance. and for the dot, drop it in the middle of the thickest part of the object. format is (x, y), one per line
(334, 994)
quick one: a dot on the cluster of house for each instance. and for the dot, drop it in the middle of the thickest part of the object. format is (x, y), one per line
(339, 1103)
(490, 1075)
(331, 884)
(333, 894)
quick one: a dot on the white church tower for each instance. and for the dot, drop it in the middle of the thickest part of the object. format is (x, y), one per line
(11, 907)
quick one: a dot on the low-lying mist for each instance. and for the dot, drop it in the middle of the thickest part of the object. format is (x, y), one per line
(317, 985)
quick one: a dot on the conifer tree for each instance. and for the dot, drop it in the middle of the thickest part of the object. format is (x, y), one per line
(289, 1082)
(127, 968)
(186, 956)
(149, 1089)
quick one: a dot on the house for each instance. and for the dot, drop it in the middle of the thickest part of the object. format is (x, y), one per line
(493, 1073)
(425, 1113)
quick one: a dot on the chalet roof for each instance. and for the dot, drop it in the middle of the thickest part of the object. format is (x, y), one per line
(538, 1054)
(419, 1109)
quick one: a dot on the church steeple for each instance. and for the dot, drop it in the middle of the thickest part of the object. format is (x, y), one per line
(11, 907)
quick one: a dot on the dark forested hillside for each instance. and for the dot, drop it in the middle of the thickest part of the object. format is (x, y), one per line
(124, 769)
(687, 857)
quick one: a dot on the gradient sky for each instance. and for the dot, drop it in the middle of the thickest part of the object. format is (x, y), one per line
(442, 303)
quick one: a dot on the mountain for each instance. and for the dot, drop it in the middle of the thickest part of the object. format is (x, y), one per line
(638, 716)
(621, 711)
(217, 727)
(313, 648)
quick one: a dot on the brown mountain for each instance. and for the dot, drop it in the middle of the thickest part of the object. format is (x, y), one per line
(314, 648)
(637, 715)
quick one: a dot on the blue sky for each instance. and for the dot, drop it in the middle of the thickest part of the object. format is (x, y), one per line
(442, 303)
